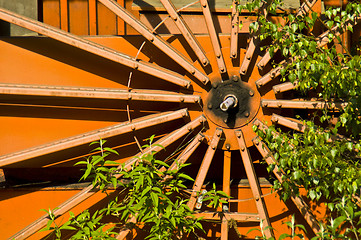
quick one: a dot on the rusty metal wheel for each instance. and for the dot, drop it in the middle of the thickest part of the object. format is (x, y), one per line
(200, 94)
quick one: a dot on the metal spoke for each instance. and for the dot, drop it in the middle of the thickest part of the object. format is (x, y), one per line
(203, 170)
(155, 39)
(88, 137)
(235, 29)
(249, 54)
(93, 47)
(301, 104)
(213, 35)
(283, 87)
(186, 32)
(270, 75)
(102, 93)
(242, 217)
(254, 184)
(87, 192)
(187, 152)
(288, 122)
(298, 201)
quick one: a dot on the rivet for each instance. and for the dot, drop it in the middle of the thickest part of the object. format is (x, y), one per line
(243, 71)
(189, 128)
(265, 104)
(213, 147)
(277, 90)
(133, 127)
(228, 146)
(218, 55)
(129, 96)
(222, 68)
(251, 93)
(187, 84)
(246, 114)
(233, 54)
(218, 134)
(184, 114)
(151, 39)
(205, 61)
(182, 99)
(196, 100)
(136, 66)
(261, 65)
(256, 123)
(200, 139)
(275, 119)
(256, 142)
(279, 104)
(205, 80)
(238, 134)
(248, 57)
(242, 148)
(193, 71)
(210, 106)
(235, 78)
(273, 75)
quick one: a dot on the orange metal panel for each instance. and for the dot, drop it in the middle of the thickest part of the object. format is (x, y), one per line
(51, 13)
(64, 15)
(120, 22)
(78, 17)
(92, 17)
(107, 20)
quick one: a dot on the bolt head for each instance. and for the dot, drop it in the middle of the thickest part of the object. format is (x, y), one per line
(251, 93)
(246, 114)
(235, 78)
(228, 146)
(210, 106)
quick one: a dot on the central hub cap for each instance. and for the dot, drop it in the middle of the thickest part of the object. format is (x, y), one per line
(231, 103)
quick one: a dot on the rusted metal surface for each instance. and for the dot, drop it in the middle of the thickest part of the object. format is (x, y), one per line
(242, 217)
(298, 201)
(284, 87)
(203, 170)
(288, 122)
(302, 104)
(186, 32)
(87, 192)
(103, 93)
(155, 39)
(214, 36)
(249, 54)
(92, 47)
(89, 137)
(269, 76)
(227, 172)
(235, 28)
(254, 184)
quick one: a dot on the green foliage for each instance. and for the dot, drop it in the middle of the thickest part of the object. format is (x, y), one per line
(153, 199)
(96, 167)
(318, 159)
(148, 199)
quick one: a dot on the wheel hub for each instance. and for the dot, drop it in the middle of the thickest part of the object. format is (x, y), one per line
(231, 103)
